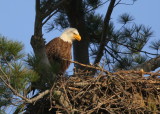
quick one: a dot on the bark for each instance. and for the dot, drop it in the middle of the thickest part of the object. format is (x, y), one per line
(150, 65)
(38, 44)
(76, 18)
(105, 32)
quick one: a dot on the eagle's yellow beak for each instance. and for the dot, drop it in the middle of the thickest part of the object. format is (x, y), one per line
(77, 37)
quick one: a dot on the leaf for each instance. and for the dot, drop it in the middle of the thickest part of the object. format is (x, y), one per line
(19, 109)
(93, 3)
(140, 59)
(10, 50)
(125, 63)
(155, 45)
(125, 18)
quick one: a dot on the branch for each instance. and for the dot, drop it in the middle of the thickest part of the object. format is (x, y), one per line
(19, 95)
(88, 66)
(105, 31)
(39, 96)
(114, 56)
(49, 17)
(150, 65)
(54, 8)
(119, 2)
(96, 7)
(128, 46)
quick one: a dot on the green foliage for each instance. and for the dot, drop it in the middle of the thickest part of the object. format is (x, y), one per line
(10, 50)
(139, 59)
(123, 44)
(18, 73)
(135, 37)
(13, 70)
(19, 109)
(2, 112)
(125, 18)
(155, 45)
(127, 43)
(125, 63)
(41, 83)
(5, 95)
(60, 21)
(93, 3)
(94, 21)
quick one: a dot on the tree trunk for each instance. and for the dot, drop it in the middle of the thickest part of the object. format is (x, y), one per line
(38, 45)
(105, 32)
(76, 18)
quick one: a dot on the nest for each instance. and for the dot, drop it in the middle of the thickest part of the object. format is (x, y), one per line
(119, 92)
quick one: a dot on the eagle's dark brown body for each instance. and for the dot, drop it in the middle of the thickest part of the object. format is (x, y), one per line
(56, 50)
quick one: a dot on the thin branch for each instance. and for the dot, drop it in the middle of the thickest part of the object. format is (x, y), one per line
(89, 66)
(114, 56)
(118, 51)
(105, 31)
(119, 2)
(96, 6)
(15, 92)
(54, 8)
(128, 46)
(149, 65)
(47, 18)
(39, 96)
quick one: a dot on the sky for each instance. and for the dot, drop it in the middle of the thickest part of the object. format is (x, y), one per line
(17, 18)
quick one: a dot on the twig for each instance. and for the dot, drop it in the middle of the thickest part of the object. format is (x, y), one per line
(15, 92)
(97, 6)
(54, 8)
(88, 66)
(39, 96)
(128, 46)
(124, 3)
(47, 18)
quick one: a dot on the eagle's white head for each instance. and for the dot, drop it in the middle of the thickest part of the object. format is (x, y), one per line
(70, 34)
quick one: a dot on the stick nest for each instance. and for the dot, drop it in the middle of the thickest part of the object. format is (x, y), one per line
(119, 92)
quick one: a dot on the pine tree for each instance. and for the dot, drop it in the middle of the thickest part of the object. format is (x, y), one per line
(13, 72)
(106, 44)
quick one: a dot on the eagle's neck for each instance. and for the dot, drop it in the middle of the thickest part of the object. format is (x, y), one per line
(66, 38)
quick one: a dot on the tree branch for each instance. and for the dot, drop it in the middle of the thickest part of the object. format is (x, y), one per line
(119, 2)
(105, 31)
(42, 94)
(128, 46)
(114, 56)
(54, 8)
(89, 66)
(149, 65)
(15, 92)
(47, 18)
(96, 6)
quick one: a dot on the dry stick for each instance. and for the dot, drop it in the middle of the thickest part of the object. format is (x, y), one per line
(89, 66)
(19, 95)
(39, 96)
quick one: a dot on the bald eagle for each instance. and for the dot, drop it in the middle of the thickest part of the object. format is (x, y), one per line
(59, 49)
